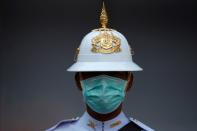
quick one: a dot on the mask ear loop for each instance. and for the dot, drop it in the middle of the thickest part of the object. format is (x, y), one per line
(129, 75)
(80, 78)
(125, 91)
(82, 89)
(128, 78)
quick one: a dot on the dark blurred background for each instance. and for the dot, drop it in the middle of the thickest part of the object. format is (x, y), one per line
(38, 43)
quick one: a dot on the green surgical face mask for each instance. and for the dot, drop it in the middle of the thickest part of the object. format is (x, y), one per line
(103, 93)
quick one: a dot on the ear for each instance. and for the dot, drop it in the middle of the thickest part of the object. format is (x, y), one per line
(77, 81)
(130, 81)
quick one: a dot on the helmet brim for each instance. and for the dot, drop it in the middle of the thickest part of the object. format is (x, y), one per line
(104, 66)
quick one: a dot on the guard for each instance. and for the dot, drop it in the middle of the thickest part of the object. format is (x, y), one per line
(103, 69)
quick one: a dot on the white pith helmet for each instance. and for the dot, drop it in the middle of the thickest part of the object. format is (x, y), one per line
(104, 49)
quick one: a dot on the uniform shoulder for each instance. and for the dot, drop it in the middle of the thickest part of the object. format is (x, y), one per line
(142, 125)
(62, 123)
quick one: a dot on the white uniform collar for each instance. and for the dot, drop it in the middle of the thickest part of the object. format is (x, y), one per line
(91, 123)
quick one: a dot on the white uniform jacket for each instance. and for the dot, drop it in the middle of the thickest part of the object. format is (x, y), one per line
(88, 123)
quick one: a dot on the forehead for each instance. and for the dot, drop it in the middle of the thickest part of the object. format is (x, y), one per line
(85, 75)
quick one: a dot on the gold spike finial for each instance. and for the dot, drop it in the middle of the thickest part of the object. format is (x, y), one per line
(103, 17)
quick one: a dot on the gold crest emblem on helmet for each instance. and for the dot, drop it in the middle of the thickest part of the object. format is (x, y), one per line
(105, 43)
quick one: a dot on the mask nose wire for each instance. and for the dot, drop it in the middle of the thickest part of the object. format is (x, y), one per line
(104, 85)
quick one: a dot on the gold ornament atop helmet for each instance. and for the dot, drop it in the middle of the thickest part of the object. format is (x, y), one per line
(105, 42)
